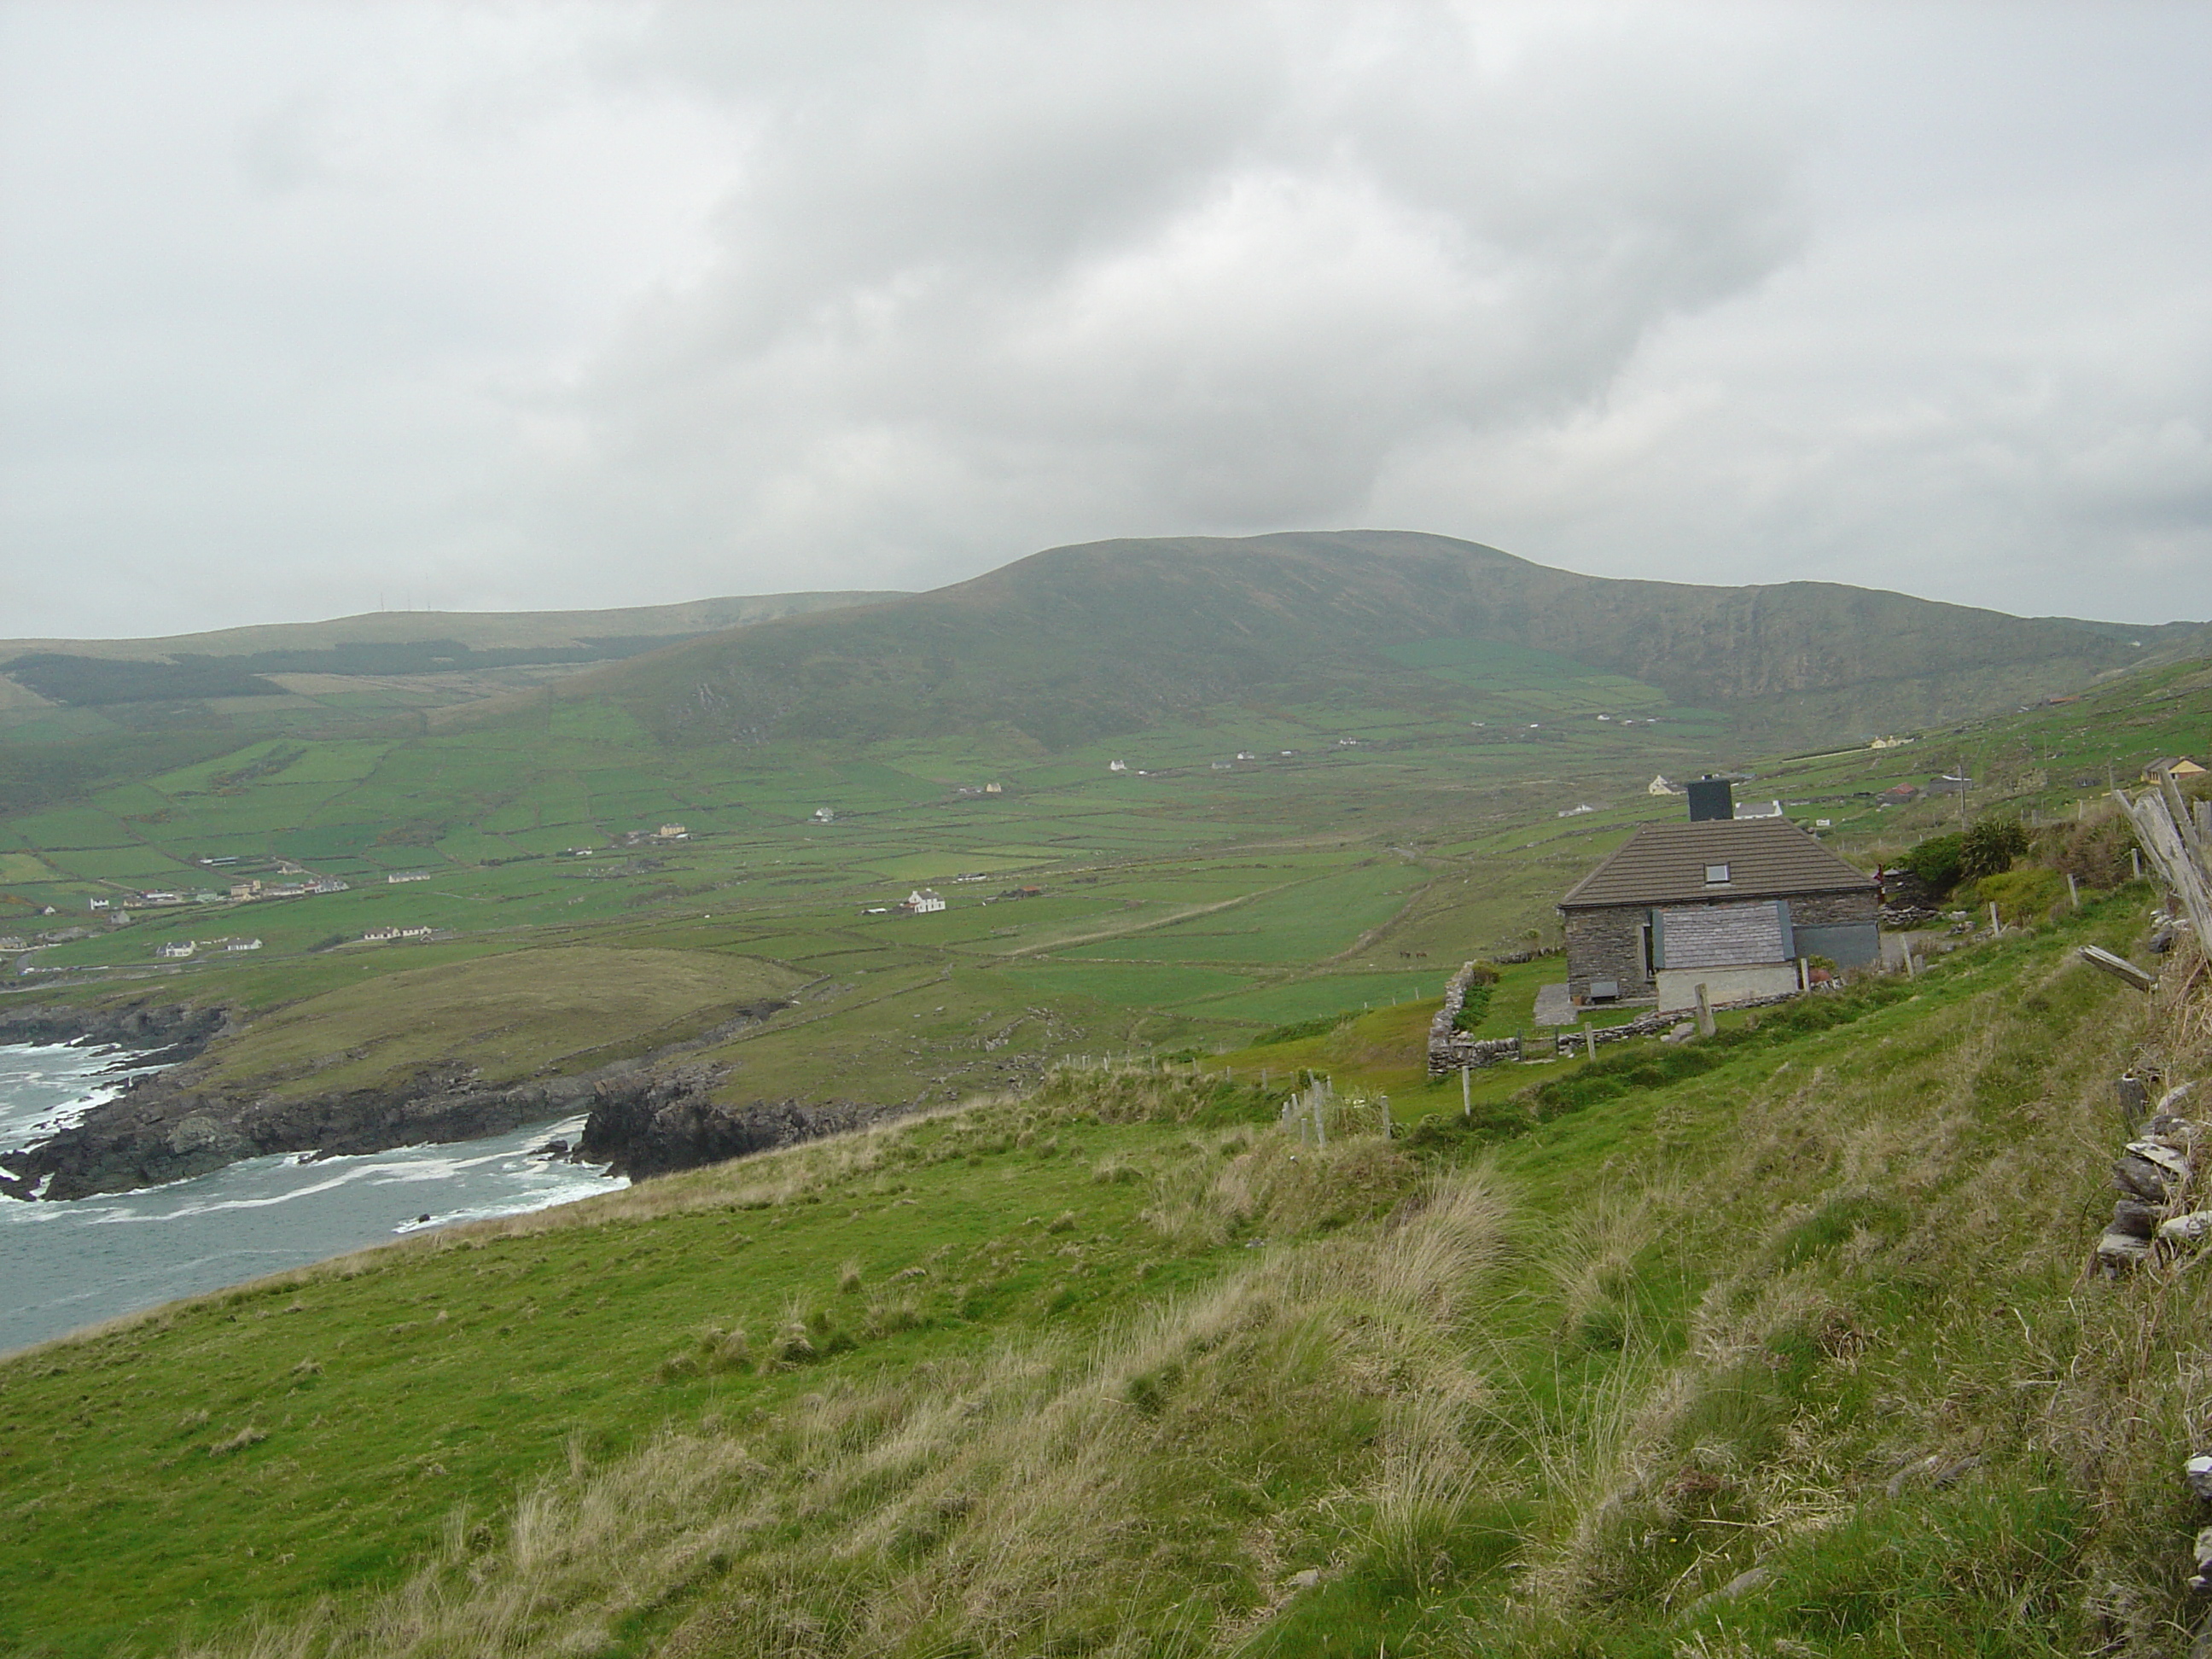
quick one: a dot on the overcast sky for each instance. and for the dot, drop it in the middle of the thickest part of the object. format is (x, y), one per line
(312, 307)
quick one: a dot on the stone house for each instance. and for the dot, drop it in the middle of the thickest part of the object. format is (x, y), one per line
(1734, 904)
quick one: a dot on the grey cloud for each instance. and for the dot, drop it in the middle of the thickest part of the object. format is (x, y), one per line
(1023, 281)
(619, 302)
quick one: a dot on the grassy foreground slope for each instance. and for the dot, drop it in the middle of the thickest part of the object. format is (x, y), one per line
(1125, 1367)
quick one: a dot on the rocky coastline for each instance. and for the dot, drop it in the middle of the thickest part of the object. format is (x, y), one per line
(659, 1124)
(158, 1033)
(644, 1119)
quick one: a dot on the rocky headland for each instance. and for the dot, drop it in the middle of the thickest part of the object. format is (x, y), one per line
(646, 1119)
(656, 1125)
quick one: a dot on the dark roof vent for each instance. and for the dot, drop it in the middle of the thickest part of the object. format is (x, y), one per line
(1712, 797)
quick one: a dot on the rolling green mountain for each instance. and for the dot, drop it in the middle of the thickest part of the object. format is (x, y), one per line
(479, 630)
(1079, 643)
(423, 645)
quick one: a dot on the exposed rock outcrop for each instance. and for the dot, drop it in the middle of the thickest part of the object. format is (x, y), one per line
(171, 1031)
(166, 1128)
(658, 1123)
(644, 1121)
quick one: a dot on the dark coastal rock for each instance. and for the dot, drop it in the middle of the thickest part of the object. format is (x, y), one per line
(658, 1124)
(165, 1128)
(173, 1125)
(158, 1033)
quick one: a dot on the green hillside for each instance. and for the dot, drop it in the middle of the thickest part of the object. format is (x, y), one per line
(1082, 643)
(1193, 901)
(482, 630)
(1784, 1345)
(76, 711)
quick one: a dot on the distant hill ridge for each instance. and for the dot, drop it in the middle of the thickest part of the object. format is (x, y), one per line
(1083, 643)
(231, 662)
(482, 631)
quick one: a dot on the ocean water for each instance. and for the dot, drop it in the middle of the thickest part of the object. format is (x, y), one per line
(67, 1264)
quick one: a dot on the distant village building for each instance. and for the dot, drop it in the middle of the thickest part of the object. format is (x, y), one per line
(1731, 904)
(1889, 742)
(175, 948)
(1661, 786)
(994, 788)
(674, 832)
(1117, 765)
(397, 876)
(823, 815)
(1950, 783)
(241, 891)
(1903, 794)
(379, 935)
(1575, 811)
(11, 942)
(102, 903)
(922, 901)
(1751, 809)
(1246, 754)
(243, 945)
(2172, 766)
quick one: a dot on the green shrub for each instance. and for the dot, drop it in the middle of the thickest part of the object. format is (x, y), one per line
(1474, 1009)
(1989, 847)
(1935, 861)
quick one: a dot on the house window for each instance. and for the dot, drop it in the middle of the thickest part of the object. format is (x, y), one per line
(1715, 874)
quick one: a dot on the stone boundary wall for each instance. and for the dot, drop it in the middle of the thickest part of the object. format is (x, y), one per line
(1452, 1050)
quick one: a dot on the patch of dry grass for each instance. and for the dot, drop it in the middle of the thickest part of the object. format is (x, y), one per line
(1031, 1496)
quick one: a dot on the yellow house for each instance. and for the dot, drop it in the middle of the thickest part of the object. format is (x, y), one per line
(2171, 766)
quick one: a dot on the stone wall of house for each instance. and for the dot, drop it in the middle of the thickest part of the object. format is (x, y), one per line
(1834, 910)
(1608, 944)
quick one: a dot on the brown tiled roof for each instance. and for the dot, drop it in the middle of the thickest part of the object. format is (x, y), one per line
(1665, 864)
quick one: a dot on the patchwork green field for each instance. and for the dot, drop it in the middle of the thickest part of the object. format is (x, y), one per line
(1187, 907)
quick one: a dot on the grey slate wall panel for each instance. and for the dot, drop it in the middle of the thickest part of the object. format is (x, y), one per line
(1725, 935)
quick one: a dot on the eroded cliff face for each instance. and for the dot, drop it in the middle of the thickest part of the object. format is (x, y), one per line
(646, 1119)
(656, 1124)
(171, 1031)
(165, 1128)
